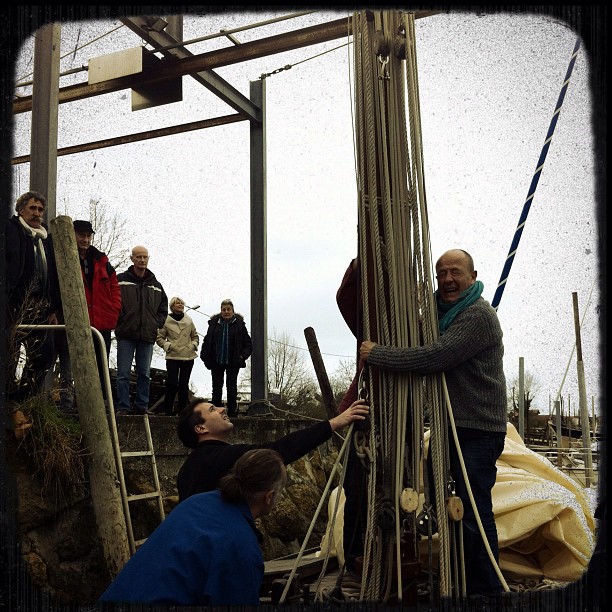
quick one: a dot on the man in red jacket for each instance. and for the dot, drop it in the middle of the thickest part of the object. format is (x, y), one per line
(102, 291)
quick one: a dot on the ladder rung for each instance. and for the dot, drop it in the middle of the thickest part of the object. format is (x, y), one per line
(126, 498)
(144, 496)
(137, 454)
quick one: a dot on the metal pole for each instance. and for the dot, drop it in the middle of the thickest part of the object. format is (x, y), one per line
(259, 284)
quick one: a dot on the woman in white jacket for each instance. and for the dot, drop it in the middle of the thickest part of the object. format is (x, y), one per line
(179, 339)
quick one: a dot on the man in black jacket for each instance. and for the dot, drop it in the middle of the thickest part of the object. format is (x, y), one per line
(144, 307)
(33, 296)
(206, 428)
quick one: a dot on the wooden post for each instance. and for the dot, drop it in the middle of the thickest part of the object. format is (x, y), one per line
(102, 469)
(319, 367)
(522, 397)
(582, 400)
(559, 434)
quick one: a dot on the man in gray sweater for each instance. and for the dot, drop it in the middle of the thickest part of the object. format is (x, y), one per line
(469, 351)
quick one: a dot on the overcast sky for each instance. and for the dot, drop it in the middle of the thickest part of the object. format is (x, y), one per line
(488, 87)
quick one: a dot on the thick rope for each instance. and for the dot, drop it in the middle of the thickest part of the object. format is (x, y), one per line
(335, 468)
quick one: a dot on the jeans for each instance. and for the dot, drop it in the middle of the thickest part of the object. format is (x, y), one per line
(126, 349)
(480, 450)
(178, 372)
(217, 372)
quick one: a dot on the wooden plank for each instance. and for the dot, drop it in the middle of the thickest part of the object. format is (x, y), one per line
(310, 565)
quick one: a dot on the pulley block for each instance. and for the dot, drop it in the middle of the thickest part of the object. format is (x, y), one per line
(409, 500)
(454, 507)
(386, 516)
(426, 522)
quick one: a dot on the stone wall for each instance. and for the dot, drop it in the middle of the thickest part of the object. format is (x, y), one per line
(58, 536)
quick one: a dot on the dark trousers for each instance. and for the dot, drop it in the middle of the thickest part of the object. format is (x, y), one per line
(480, 450)
(218, 372)
(355, 493)
(39, 353)
(178, 372)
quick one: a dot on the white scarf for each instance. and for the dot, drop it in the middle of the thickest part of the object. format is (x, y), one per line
(34, 231)
(38, 234)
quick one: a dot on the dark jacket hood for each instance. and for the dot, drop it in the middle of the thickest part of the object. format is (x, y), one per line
(215, 318)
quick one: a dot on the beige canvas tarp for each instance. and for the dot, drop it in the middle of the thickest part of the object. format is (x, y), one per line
(544, 519)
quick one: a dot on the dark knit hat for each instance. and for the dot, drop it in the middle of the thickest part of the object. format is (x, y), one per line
(83, 226)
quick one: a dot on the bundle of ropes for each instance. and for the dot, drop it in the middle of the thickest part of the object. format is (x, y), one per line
(397, 299)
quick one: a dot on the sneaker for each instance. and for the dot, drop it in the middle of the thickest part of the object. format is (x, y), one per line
(124, 412)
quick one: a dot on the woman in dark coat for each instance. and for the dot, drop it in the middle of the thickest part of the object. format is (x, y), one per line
(226, 347)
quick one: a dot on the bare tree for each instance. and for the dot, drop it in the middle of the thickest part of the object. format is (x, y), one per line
(288, 374)
(112, 235)
(287, 367)
(342, 378)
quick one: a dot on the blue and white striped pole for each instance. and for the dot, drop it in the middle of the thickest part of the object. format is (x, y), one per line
(534, 183)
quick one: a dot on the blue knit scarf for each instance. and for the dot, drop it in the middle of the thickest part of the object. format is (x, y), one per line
(448, 312)
(223, 345)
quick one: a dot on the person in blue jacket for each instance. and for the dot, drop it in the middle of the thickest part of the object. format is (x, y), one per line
(207, 550)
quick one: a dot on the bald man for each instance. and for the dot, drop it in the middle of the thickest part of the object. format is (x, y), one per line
(470, 352)
(144, 307)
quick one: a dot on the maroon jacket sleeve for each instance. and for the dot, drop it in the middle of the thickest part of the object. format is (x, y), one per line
(348, 298)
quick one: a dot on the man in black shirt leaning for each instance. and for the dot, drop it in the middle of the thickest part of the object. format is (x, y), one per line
(206, 428)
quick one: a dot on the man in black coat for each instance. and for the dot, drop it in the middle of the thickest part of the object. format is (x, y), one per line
(144, 307)
(33, 296)
(206, 429)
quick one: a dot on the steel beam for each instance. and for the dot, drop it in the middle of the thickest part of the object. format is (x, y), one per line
(212, 81)
(280, 43)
